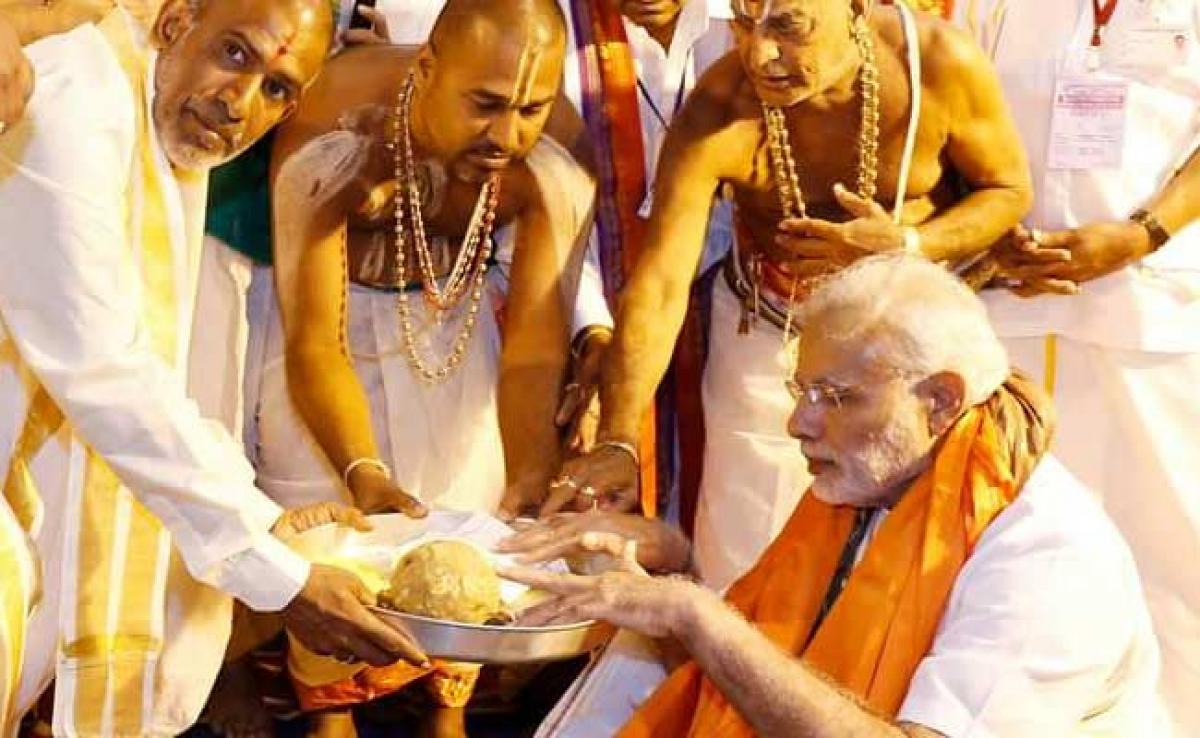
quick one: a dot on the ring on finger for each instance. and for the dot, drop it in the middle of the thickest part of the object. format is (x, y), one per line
(588, 491)
(564, 481)
(571, 387)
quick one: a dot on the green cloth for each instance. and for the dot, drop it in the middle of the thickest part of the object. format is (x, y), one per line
(239, 202)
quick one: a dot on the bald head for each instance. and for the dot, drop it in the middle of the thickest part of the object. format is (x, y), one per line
(486, 81)
(229, 70)
(538, 23)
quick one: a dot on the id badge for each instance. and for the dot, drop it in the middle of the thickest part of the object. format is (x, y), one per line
(1087, 127)
(1149, 49)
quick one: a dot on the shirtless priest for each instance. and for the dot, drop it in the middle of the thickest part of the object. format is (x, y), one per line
(841, 129)
(424, 228)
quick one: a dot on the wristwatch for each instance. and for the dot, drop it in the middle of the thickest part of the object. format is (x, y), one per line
(1158, 234)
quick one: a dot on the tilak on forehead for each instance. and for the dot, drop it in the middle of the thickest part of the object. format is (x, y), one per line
(304, 20)
(532, 54)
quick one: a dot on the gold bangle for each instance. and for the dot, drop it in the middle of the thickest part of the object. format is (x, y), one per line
(624, 447)
(365, 461)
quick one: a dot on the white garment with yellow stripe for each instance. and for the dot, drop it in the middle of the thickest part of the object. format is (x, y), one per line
(100, 249)
(1122, 357)
(442, 440)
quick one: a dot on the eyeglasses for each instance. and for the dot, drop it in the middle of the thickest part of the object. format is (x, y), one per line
(830, 395)
(817, 393)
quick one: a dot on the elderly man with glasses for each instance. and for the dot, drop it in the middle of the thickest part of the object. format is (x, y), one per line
(945, 576)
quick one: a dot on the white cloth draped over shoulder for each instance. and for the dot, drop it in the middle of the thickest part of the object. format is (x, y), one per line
(83, 268)
(442, 441)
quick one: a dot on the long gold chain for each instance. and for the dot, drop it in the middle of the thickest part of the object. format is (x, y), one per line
(787, 181)
(470, 266)
(783, 163)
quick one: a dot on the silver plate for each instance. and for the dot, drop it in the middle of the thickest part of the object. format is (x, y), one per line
(499, 644)
(484, 644)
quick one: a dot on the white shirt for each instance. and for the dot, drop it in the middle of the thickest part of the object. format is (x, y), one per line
(1154, 306)
(702, 36)
(1046, 632)
(70, 302)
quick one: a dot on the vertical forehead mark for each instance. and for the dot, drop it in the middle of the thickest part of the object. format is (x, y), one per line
(527, 66)
(764, 11)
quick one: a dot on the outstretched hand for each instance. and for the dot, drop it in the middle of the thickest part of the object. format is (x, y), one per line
(626, 597)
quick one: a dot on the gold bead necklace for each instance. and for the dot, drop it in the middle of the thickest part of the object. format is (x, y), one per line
(470, 266)
(783, 163)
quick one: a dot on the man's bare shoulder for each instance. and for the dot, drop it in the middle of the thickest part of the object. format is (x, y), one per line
(368, 75)
(722, 99)
(950, 57)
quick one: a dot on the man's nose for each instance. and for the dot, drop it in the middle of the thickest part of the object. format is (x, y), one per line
(505, 131)
(763, 50)
(236, 98)
(807, 420)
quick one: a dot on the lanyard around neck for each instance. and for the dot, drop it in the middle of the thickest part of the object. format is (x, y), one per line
(679, 93)
(1101, 15)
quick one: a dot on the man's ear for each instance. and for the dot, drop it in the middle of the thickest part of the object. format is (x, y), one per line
(425, 62)
(944, 394)
(174, 20)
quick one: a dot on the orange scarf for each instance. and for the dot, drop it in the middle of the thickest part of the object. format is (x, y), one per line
(884, 622)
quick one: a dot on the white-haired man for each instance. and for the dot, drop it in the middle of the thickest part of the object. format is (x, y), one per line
(944, 577)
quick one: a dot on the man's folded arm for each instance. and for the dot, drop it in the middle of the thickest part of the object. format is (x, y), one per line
(70, 299)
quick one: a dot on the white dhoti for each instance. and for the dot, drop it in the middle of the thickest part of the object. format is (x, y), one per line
(442, 440)
(609, 691)
(1127, 427)
(754, 473)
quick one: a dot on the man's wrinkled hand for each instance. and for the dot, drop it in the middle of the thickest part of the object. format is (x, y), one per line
(579, 410)
(331, 618)
(295, 521)
(660, 547)
(16, 77)
(626, 597)
(604, 478)
(1035, 262)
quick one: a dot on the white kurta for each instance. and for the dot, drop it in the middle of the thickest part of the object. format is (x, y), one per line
(442, 441)
(72, 319)
(667, 77)
(1126, 358)
(1044, 634)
